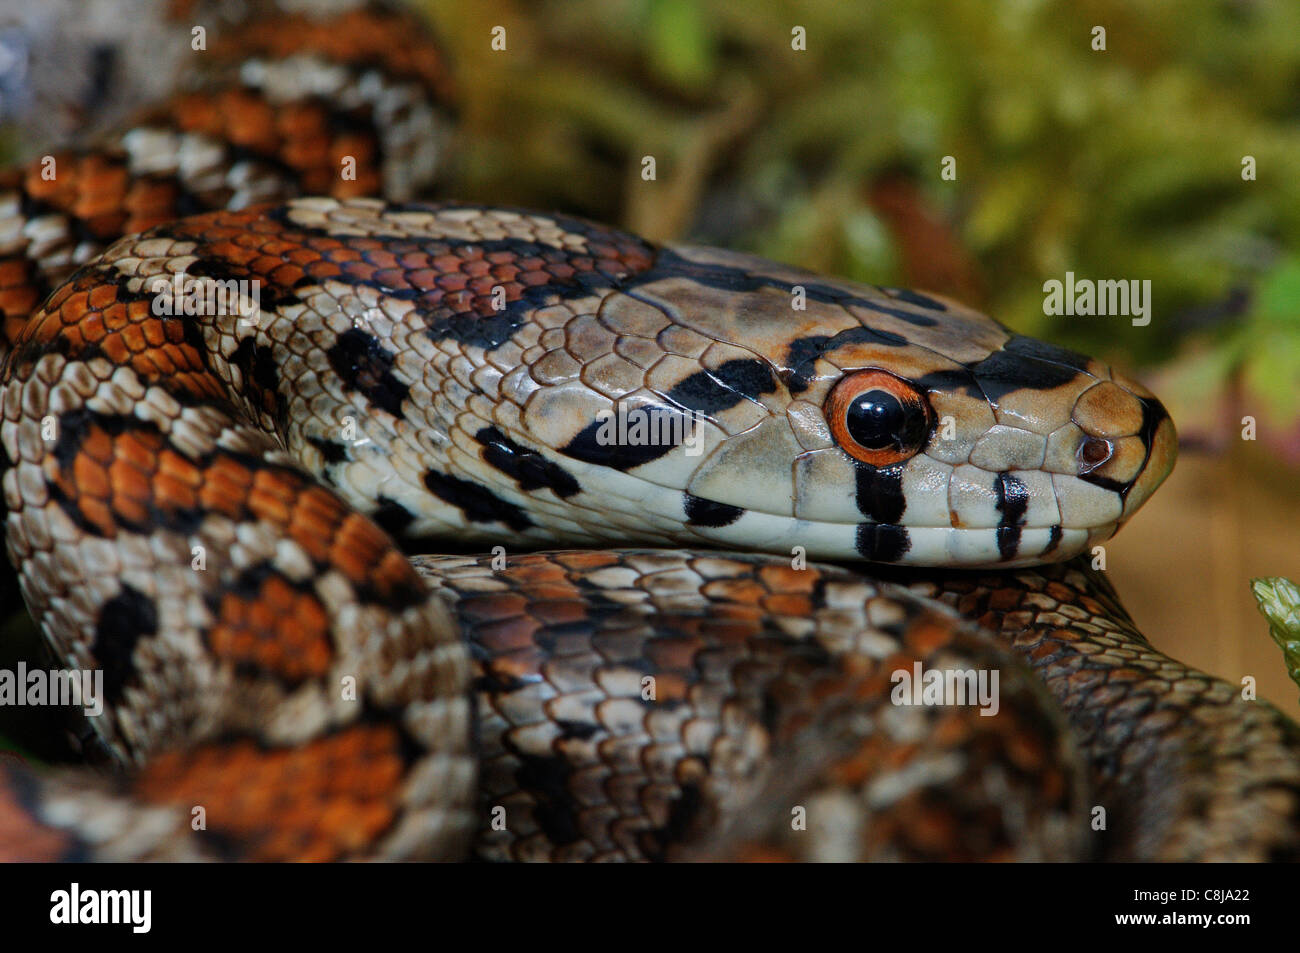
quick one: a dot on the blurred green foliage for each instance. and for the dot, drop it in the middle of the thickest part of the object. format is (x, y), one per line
(1122, 163)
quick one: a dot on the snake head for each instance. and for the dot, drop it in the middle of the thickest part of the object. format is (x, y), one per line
(539, 379)
(858, 422)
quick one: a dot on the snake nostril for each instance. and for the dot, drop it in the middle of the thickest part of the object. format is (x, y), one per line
(1093, 452)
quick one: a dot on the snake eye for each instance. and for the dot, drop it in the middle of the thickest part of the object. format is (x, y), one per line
(878, 418)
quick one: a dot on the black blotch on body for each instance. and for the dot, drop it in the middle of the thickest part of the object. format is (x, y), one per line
(478, 503)
(366, 366)
(879, 492)
(702, 512)
(257, 364)
(391, 516)
(882, 543)
(526, 467)
(546, 778)
(123, 621)
(332, 452)
(723, 387)
(1012, 503)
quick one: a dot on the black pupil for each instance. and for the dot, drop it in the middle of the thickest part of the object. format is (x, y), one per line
(876, 420)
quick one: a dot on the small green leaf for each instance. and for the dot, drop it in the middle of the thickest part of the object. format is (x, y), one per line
(1279, 600)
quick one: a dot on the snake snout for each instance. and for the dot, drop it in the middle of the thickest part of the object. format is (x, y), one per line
(1128, 443)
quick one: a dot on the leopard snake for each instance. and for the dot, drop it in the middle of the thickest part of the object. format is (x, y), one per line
(219, 509)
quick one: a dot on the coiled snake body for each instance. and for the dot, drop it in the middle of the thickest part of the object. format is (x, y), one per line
(217, 510)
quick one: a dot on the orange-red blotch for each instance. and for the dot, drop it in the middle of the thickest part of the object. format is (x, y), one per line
(325, 800)
(278, 629)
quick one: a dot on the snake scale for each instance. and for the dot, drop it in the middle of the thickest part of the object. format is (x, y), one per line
(224, 512)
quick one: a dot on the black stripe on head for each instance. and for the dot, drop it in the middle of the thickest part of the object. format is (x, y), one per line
(1005, 371)
(526, 467)
(593, 446)
(802, 357)
(730, 278)
(916, 298)
(724, 386)
(1012, 503)
(882, 543)
(123, 621)
(879, 492)
(1053, 540)
(1020, 363)
(366, 366)
(478, 503)
(702, 512)
(955, 380)
(1042, 351)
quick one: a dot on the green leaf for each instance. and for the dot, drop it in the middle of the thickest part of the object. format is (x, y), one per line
(1279, 601)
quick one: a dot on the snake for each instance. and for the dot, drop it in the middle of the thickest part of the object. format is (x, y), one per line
(404, 529)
